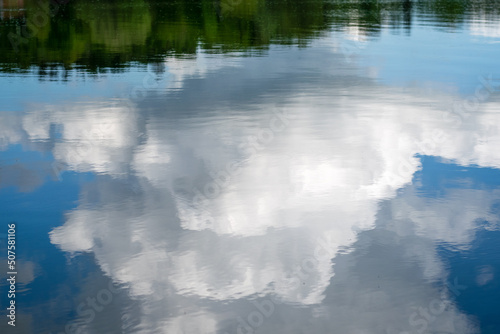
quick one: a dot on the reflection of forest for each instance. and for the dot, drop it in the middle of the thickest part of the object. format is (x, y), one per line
(99, 34)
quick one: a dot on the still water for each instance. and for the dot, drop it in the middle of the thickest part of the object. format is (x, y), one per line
(250, 166)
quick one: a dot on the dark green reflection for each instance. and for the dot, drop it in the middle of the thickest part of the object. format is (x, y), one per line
(110, 34)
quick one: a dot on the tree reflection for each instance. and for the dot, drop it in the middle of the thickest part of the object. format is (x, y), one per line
(100, 36)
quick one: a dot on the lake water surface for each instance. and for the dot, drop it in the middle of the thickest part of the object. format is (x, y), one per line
(251, 166)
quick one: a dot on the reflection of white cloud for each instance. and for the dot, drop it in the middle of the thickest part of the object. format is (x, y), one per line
(486, 274)
(152, 158)
(82, 237)
(26, 272)
(190, 324)
(328, 174)
(452, 220)
(355, 33)
(486, 28)
(321, 177)
(10, 129)
(444, 219)
(94, 137)
(196, 67)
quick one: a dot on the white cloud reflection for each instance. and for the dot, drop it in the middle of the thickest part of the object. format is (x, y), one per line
(196, 67)
(321, 178)
(486, 27)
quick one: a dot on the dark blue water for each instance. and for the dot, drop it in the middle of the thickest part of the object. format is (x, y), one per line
(250, 166)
